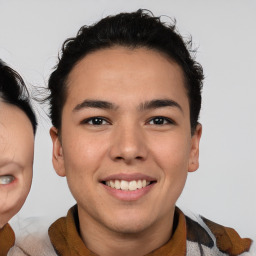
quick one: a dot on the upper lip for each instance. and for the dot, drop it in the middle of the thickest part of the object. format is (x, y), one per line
(128, 177)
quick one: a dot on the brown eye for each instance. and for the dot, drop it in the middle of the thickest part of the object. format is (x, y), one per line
(95, 121)
(159, 120)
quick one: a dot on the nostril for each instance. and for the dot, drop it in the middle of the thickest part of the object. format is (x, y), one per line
(118, 158)
(128, 158)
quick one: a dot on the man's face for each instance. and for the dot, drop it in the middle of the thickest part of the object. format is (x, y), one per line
(126, 144)
(16, 160)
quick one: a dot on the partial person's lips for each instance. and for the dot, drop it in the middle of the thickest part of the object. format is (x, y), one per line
(6, 179)
(128, 182)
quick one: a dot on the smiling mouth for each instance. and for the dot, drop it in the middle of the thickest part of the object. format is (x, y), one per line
(6, 179)
(128, 185)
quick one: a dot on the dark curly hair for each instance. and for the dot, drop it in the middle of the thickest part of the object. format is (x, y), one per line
(14, 91)
(136, 29)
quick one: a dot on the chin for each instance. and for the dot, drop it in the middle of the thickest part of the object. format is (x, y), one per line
(128, 228)
(129, 223)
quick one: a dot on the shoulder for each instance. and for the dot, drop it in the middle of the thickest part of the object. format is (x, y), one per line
(32, 238)
(211, 238)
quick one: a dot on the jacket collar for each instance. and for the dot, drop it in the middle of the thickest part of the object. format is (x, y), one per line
(64, 235)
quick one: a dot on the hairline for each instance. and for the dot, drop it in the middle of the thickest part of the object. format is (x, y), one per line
(5, 101)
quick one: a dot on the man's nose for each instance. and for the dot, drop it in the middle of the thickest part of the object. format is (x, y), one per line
(129, 144)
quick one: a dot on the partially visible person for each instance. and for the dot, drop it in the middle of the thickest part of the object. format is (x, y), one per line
(17, 132)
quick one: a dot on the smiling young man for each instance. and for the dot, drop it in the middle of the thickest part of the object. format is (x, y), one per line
(125, 99)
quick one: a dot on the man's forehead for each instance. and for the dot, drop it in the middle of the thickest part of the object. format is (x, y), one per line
(148, 80)
(106, 58)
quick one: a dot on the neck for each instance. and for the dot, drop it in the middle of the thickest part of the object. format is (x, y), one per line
(114, 243)
(3, 220)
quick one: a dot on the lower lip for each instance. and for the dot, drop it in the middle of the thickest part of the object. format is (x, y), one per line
(127, 195)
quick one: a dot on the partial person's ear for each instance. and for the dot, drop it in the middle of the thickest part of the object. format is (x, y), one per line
(194, 151)
(57, 155)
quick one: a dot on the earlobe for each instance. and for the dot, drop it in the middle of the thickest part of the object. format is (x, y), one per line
(194, 152)
(57, 154)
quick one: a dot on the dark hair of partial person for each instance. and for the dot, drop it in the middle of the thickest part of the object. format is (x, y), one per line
(13, 91)
(133, 30)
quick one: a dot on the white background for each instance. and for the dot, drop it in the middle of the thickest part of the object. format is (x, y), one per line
(224, 187)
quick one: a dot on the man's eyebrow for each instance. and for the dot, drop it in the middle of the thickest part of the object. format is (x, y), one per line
(159, 103)
(94, 104)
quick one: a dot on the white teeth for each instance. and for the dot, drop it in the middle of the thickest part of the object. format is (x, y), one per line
(112, 184)
(124, 185)
(7, 179)
(132, 185)
(127, 185)
(117, 184)
(139, 184)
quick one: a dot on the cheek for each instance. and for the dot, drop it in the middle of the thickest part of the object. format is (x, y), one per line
(83, 156)
(25, 185)
(13, 199)
(171, 152)
(81, 162)
(24, 190)
(27, 180)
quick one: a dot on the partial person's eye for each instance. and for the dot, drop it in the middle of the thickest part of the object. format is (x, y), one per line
(6, 179)
(95, 121)
(160, 120)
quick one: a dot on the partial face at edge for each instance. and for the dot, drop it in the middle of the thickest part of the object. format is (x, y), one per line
(126, 119)
(16, 160)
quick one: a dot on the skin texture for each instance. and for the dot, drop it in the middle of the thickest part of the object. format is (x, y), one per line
(127, 141)
(16, 158)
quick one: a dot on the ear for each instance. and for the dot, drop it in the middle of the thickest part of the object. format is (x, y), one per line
(57, 154)
(194, 152)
